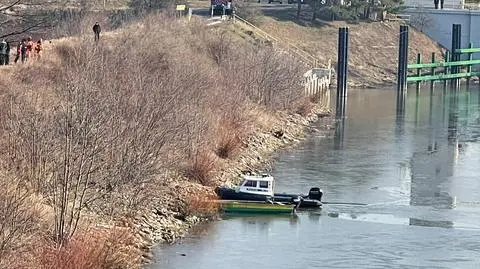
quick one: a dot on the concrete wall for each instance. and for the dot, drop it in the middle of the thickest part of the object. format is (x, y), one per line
(441, 21)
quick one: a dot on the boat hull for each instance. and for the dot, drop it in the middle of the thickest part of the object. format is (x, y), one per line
(241, 207)
(232, 194)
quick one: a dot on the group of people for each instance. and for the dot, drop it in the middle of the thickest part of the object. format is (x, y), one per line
(26, 49)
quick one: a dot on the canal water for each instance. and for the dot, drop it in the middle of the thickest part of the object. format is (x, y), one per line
(417, 170)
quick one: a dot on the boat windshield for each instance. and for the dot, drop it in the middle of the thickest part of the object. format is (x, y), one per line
(263, 184)
(250, 183)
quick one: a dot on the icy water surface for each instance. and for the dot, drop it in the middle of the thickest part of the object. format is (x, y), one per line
(418, 173)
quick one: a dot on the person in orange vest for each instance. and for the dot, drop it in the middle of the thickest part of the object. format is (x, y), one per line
(38, 49)
(29, 47)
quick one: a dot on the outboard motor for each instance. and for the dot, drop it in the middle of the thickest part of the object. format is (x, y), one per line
(315, 194)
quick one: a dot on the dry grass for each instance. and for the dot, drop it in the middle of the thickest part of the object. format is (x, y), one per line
(205, 205)
(231, 131)
(305, 107)
(20, 216)
(201, 167)
(94, 249)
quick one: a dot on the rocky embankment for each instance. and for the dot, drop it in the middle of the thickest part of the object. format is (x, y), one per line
(168, 221)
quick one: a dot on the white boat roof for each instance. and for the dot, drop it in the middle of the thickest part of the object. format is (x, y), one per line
(261, 177)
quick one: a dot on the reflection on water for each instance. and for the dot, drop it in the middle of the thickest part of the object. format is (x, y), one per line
(414, 162)
(261, 222)
(339, 133)
(431, 223)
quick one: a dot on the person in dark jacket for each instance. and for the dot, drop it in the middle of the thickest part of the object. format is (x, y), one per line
(17, 56)
(7, 59)
(21, 51)
(3, 52)
(96, 30)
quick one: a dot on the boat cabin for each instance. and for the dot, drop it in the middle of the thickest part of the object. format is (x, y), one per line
(261, 184)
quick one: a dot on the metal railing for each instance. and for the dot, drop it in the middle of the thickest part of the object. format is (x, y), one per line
(304, 56)
(398, 17)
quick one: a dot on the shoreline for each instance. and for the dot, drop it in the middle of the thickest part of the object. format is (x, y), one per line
(163, 225)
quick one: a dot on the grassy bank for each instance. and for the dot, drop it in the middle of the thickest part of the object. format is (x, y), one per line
(373, 46)
(108, 148)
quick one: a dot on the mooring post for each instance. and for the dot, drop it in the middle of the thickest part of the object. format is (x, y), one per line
(456, 43)
(432, 71)
(339, 74)
(419, 71)
(469, 67)
(342, 71)
(446, 68)
(402, 58)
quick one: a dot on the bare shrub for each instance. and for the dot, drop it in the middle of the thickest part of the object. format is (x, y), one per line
(201, 166)
(422, 20)
(248, 11)
(230, 134)
(316, 98)
(93, 249)
(267, 78)
(19, 217)
(202, 205)
(219, 47)
(305, 107)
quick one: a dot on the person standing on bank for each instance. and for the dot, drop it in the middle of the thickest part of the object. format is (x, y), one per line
(3, 52)
(23, 50)
(96, 30)
(7, 59)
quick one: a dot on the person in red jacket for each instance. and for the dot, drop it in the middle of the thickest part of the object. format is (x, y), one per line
(38, 49)
(29, 47)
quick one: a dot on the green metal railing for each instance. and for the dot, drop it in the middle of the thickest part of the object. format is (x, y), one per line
(447, 72)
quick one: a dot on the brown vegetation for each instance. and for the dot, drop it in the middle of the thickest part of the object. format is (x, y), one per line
(94, 126)
(205, 205)
(305, 107)
(19, 220)
(94, 249)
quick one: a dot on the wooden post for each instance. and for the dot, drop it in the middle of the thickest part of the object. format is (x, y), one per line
(446, 69)
(456, 43)
(469, 67)
(342, 71)
(402, 58)
(419, 71)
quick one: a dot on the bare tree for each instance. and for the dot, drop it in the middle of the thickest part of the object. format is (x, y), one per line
(422, 20)
(23, 16)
